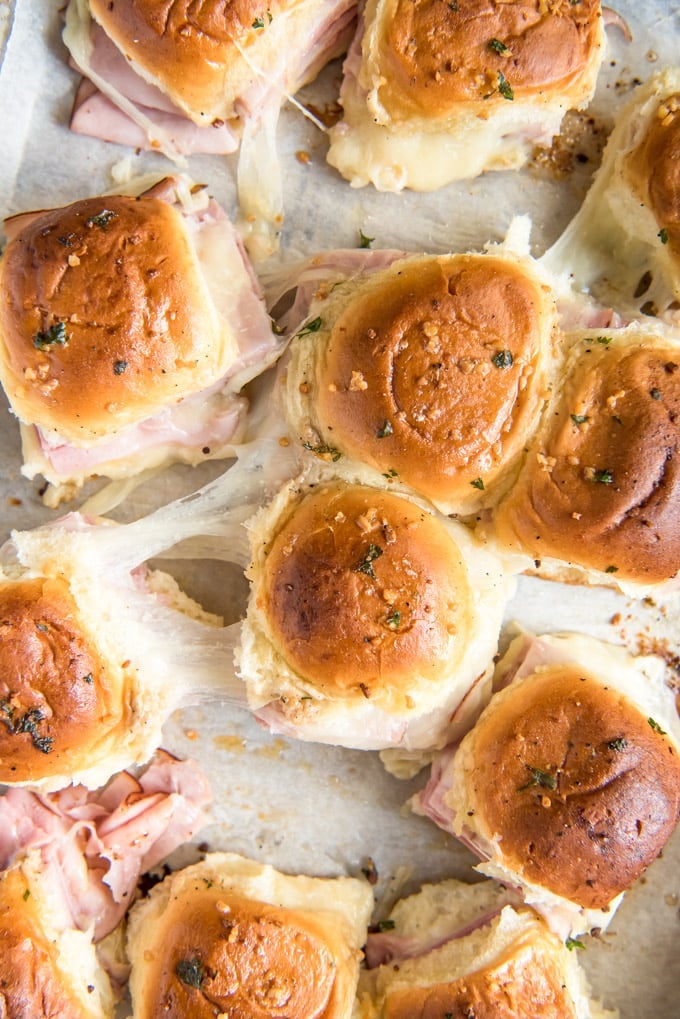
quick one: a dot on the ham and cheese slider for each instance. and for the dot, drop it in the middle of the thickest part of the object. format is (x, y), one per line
(432, 372)
(372, 619)
(128, 326)
(455, 949)
(596, 500)
(70, 865)
(624, 243)
(435, 92)
(233, 937)
(568, 786)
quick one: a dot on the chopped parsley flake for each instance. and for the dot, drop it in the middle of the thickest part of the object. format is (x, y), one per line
(56, 335)
(572, 943)
(191, 972)
(663, 235)
(120, 367)
(324, 451)
(311, 327)
(498, 47)
(394, 620)
(605, 340)
(386, 925)
(27, 894)
(656, 727)
(655, 394)
(385, 430)
(26, 723)
(391, 473)
(604, 477)
(364, 241)
(365, 565)
(478, 483)
(504, 87)
(612, 569)
(618, 744)
(579, 419)
(89, 679)
(502, 359)
(102, 219)
(540, 778)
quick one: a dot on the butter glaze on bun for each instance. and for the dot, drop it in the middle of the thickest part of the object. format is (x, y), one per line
(435, 92)
(237, 938)
(205, 57)
(601, 482)
(46, 969)
(106, 317)
(435, 55)
(470, 953)
(58, 697)
(570, 780)
(433, 371)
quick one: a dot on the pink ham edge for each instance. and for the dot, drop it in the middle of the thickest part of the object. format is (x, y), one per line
(96, 845)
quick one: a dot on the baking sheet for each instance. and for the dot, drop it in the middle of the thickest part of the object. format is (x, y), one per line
(315, 809)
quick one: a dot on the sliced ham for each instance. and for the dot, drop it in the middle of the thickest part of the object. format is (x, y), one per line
(383, 947)
(96, 845)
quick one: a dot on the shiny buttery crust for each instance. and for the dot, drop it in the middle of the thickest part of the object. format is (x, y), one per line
(34, 975)
(653, 170)
(195, 53)
(526, 980)
(601, 483)
(572, 784)
(59, 699)
(105, 317)
(432, 56)
(210, 947)
(364, 594)
(434, 372)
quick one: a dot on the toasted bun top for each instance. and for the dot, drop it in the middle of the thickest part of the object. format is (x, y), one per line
(435, 371)
(365, 594)
(58, 697)
(105, 317)
(654, 169)
(577, 789)
(527, 979)
(601, 483)
(204, 943)
(434, 55)
(38, 981)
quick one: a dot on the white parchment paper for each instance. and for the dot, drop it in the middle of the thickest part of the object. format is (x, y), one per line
(315, 809)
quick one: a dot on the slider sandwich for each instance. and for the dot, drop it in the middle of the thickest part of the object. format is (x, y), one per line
(234, 938)
(435, 92)
(596, 499)
(623, 245)
(455, 949)
(568, 786)
(70, 863)
(432, 372)
(183, 78)
(128, 326)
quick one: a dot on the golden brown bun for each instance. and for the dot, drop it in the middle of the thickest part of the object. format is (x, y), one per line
(362, 591)
(434, 55)
(602, 493)
(438, 372)
(526, 980)
(35, 979)
(653, 169)
(58, 698)
(105, 317)
(206, 943)
(195, 53)
(578, 788)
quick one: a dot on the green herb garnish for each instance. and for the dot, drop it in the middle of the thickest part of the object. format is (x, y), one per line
(364, 241)
(394, 620)
(120, 367)
(502, 359)
(579, 419)
(56, 335)
(655, 394)
(612, 569)
(386, 925)
(311, 327)
(478, 483)
(504, 87)
(656, 727)
(663, 235)
(258, 23)
(391, 473)
(604, 477)
(540, 778)
(573, 943)
(27, 894)
(385, 430)
(26, 723)
(498, 47)
(365, 565)
(102, 219)
(618, 744)
(191, 972)
(323, 451)
(89, 679)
